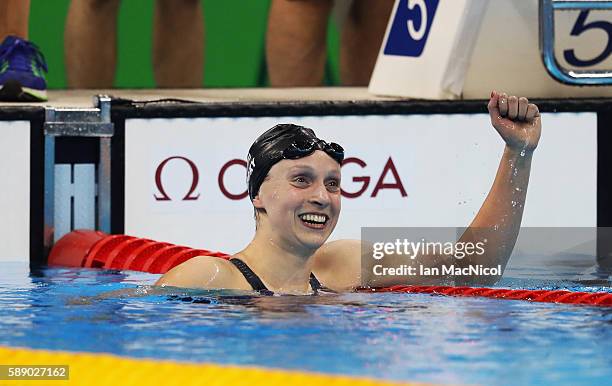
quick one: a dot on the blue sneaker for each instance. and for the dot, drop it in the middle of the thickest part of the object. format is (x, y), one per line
(22, 71)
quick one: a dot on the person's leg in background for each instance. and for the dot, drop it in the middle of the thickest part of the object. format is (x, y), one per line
(22, 65)
(296, 47)
(90, 41)
(362, 35)
(14, 15)
(178, 43)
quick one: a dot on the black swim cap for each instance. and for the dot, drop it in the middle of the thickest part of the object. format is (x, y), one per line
(283, 141)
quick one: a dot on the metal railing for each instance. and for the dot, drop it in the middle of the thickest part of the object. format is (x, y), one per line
(547, 42)
(77, 195)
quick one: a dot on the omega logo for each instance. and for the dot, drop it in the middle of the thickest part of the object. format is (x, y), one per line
(194, 181)
(191, 195)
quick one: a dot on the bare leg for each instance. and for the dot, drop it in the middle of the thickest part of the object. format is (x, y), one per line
(362, 35)
(296, 42)
(14, 15)
(90, 41)
(178, 43)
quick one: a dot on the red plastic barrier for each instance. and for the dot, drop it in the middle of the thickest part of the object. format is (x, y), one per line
(554, 296)
(72, 249)
(92, 249)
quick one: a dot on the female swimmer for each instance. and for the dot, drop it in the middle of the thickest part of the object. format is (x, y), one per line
(294, 185)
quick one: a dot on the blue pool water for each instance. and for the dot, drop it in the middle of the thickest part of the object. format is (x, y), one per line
(412, 337)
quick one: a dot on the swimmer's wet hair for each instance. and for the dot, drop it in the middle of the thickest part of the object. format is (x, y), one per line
(267, 150)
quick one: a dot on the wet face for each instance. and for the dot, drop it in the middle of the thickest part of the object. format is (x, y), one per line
(301, 200)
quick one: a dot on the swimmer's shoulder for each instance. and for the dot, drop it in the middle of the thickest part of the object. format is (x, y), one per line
(206, 272)
(337, 264)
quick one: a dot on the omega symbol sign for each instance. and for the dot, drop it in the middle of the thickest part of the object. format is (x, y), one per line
(190, 195)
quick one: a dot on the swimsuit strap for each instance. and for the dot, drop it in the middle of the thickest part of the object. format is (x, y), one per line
(249, 275)
(256, 283)
(315, 284)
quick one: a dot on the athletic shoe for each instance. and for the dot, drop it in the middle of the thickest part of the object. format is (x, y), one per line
(22, 71)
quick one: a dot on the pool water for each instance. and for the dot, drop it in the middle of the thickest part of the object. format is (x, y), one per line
(396, 336)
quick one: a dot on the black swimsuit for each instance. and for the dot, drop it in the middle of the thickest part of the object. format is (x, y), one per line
(260, 287)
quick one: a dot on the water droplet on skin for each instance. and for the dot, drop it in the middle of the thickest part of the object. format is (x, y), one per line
(523, 153)
(517, 189)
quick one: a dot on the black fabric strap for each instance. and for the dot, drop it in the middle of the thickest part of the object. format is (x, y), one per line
(317, 286)
(259, 286)
(249, 275)
(315, 283)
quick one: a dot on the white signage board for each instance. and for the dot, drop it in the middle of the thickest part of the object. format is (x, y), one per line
(468, 48)
(185, 178)
(427, 48)
(15, 190)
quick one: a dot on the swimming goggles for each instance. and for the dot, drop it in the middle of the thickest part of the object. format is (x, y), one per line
(303, 147)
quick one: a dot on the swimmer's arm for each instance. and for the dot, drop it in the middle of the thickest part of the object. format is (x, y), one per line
(345, 265)
(374, 275)
(337, 265)
(128, 293)
(498, 222)
(203, 272)
(123, 293)
(499, 219)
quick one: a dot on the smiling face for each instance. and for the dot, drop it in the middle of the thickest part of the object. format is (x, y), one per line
(299, 201)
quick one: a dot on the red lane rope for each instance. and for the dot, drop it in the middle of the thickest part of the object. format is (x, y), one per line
(91, 249)
(544, 296)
